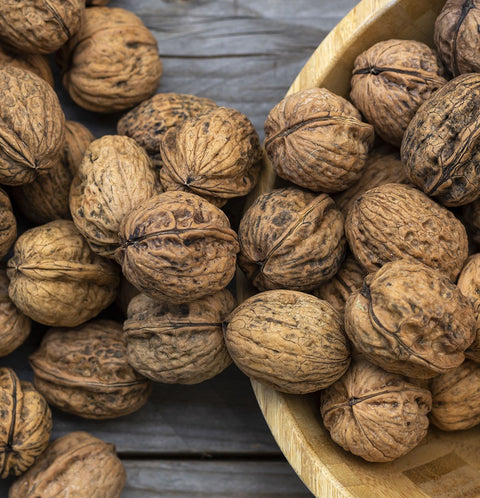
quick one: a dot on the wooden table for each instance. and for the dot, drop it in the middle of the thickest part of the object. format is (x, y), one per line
(211, 439)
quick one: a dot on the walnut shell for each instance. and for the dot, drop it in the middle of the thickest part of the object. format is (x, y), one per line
(33, 126)
(288, 340)
(177, 247)
(411, 320)
(317, 140)
(112, 63)
(456, 36)
(40, 27)
(35, 63)
(374, 414)
(396, 221)
(56, 279)
(85, 371)
(76, 465)
(47, 197)
(215, 155)
(390, 81)
(8, 224)
(115, 176)
(290, 238)
(25, 424)
(440, 149)
(456, 398)
(178, 343)
(149, 121)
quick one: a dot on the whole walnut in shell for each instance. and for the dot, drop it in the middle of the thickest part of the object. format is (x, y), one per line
(115, 176)
(394, 221)
(391, 80)
(411, 320)
(291, 238)
(317, 140)
(148, 122)
(288, 340)
(40, 27)
(375, 414)
(8, 224)
(180, 343)
(112, 63)
(85, 371)
(75, 465)
(25, 424)
(215, 155)
(35, 63)
(33, 126)
(56, 279)
(177, 247)
(440, 149)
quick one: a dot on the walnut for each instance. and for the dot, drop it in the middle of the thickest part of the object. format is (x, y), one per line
(47, 197)
(456, 398)
(456, 36)
(8, 224)
(390, 81)
(396, 221)
(215, 155)
(56, 279)
(374, 414)
(411, 320)
(440, 150)
(317, 140)
(177, 247)
(77, 464)
(180, 343)
(290, 238)
(288, 340)
(115, 176)
(25, 424)
(149, 121)
(84, 371)
(33, 126)
(112, 63)
(35, 63)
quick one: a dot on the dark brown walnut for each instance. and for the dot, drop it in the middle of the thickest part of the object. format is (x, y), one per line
(35, 63)
(178, 344)
(77, 464)
(456, 36)
(215, 155)
(149, 121)
(85, 371)
(290, 238)
(411, 320)
(25, 424)
(394, 221)
(288, 340)
(441, 146)
(177, 247)
(32, 126)
(38, 26)
(317, 140)
(374, 414)
(390, 81)
(47, 197)
(8, 224)
(56, 279)
(115, 176)
(112, 63)
(456, 398)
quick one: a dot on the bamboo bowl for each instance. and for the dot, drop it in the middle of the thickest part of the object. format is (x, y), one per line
(445, 464)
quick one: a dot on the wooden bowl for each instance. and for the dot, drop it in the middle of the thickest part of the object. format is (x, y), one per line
(445, 464)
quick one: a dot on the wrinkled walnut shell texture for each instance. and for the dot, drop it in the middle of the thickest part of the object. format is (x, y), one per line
(84, 371)
(288, 340)
(317, 140)
(290, 238)
(37, 64)
(8, 224)
(374, 414)
(178, 343)
(396, 221)
(411, 320)
(77, 464)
